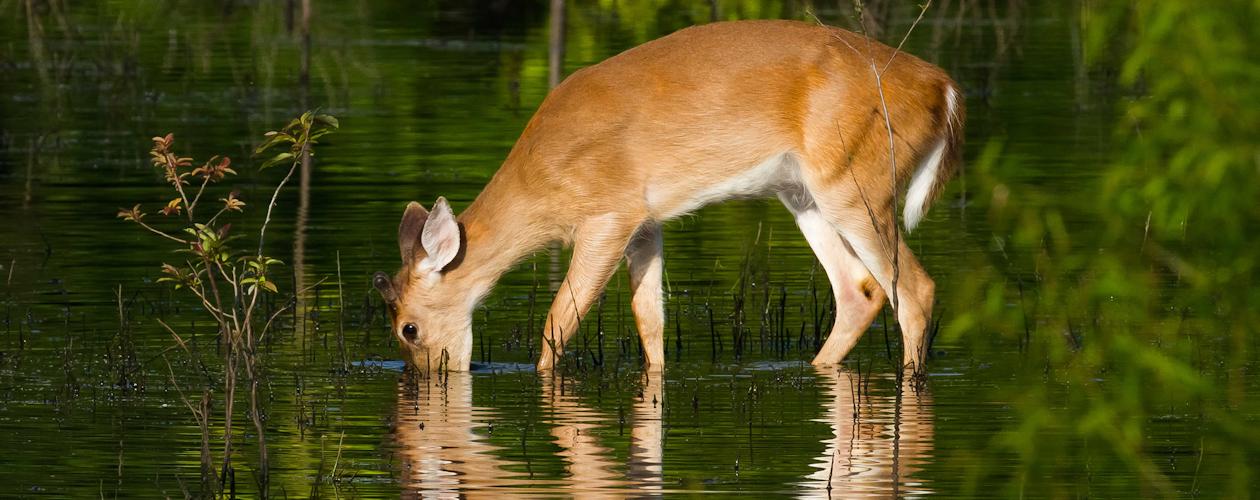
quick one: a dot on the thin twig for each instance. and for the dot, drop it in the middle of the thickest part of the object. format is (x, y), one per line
(189, 208)
(892, 165)
(161, 233)
(897, 50)
(262, 231)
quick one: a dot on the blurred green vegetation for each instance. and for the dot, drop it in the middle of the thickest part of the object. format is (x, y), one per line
(1143, 322)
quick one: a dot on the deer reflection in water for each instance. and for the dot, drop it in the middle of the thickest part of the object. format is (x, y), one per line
(646, 448)
(442, 440)
(588, 462)
(879, 440)
(445, 453)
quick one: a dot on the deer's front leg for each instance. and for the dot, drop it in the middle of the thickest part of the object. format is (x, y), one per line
(597, 249)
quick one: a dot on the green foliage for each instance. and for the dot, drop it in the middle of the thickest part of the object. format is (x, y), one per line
(1115, 319)
(227, 282)
(208, 241)
(301, 133)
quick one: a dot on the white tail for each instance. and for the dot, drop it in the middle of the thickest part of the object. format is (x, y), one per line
(720, 111)
(939, 165)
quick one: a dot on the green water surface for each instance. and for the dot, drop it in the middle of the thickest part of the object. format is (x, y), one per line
(430, 97)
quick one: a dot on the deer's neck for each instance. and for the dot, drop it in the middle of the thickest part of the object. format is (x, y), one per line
(503, 225)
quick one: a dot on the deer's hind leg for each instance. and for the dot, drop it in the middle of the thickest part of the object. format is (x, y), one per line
(859, 212)
(645, 261)
(858, 296)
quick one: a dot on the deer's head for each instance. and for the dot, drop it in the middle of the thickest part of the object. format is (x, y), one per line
(431, 309)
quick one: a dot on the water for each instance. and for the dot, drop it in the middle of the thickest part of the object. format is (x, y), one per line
(430, 99)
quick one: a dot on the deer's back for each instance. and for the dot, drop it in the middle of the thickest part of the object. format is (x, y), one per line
(725, 107)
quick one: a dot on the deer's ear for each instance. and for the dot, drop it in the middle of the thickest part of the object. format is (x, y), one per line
(440, 238)
(409, 231)
(383, 284)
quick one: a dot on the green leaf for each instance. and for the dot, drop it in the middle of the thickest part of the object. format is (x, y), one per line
(277, 159)
(328, 120)
(274, 138)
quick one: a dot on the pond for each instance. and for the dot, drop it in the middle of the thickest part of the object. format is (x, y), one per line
(430, 98)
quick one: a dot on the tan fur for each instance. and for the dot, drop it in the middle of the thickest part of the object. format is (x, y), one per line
(635, 139)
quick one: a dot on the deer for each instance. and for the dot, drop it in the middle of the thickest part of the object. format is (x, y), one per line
(832, 123)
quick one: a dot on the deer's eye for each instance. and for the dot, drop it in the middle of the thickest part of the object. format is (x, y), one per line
(409, 332)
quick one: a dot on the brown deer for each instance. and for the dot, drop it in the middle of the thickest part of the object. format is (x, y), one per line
(818, 116)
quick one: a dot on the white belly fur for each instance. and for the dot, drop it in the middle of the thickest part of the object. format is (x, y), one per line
(772, 175)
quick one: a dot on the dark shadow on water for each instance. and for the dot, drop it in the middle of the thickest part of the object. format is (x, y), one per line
(497, 367)
(476, 368)
(774, 365)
